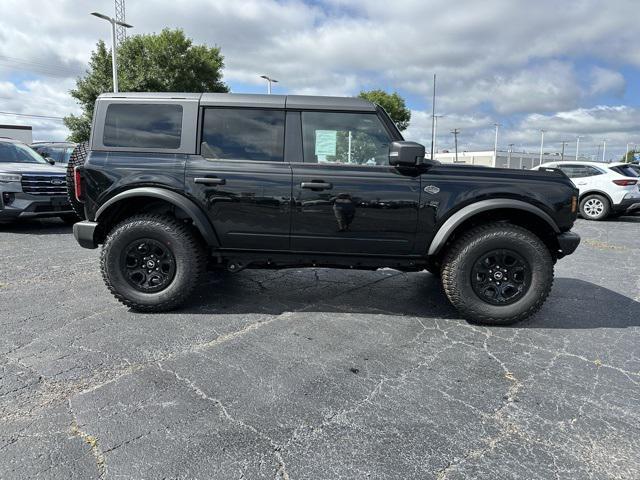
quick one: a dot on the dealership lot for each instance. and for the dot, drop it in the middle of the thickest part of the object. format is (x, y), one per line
(316, 373)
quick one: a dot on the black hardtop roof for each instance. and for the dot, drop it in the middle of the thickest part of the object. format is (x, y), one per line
(309, 102)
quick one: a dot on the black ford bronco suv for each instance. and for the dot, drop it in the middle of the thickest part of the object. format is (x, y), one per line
(175, 183)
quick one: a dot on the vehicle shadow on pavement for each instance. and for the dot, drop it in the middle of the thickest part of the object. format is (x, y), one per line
(577, 304)
(572, 304)
(36, 227)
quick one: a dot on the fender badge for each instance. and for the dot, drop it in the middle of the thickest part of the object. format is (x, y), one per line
(432, 189)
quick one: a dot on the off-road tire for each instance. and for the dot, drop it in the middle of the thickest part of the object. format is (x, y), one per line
(177, 237)
(78, 157)
(585, 210)
(459, 260)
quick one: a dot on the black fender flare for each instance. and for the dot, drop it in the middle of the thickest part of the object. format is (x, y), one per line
(199, 218)
(455, 220)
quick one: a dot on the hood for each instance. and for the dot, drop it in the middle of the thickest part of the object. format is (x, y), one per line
(30, 168)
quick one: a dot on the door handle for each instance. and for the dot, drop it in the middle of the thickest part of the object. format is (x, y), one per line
(317, 185)
(581, 183)
(210, 180)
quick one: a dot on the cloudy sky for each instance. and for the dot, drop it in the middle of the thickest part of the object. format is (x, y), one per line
(569, 67)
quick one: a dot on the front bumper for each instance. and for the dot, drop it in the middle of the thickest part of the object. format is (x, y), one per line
(84, 233)
(23, 205)
(568, 242)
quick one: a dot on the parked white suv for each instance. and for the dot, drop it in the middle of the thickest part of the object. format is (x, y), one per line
(605, 189)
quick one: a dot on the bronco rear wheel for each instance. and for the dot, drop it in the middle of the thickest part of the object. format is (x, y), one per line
(497, 274)
(152, 263)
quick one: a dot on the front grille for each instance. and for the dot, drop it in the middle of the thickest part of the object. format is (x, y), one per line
(44, 184)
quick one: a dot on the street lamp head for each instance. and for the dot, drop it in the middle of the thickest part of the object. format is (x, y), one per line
(122, 24)
(104, 17)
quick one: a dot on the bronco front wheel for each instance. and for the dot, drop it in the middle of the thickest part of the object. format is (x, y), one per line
(152, 263)
(497, 274)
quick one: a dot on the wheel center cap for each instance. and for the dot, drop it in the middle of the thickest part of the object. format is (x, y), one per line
(497, 275)
(151, 264)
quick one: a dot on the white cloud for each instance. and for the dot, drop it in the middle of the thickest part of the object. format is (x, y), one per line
(495, 60)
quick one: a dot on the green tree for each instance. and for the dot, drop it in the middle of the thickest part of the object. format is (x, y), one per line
(164, 62)
(393, 104)
(630, 157)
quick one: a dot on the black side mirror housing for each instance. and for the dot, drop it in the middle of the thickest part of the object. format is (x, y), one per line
(406, 154)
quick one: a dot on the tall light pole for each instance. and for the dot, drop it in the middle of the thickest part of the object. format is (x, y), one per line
(541, 145)
(114, 62)
(578, 146)
(510, 152)
(433, 117)
(455, 132)
(604, 147)
(269, 82)
(495, 143)
(435, 132)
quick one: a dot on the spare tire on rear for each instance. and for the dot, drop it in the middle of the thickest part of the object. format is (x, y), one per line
(77, 159)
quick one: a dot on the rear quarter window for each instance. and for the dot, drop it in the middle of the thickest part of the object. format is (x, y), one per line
(157, 126)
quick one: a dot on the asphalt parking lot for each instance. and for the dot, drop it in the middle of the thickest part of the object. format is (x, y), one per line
(316, 374)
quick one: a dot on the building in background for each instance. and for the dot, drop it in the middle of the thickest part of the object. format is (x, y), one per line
(22, 133)
(518, 160)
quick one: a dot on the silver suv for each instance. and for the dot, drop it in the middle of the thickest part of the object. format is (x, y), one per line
(29, 186)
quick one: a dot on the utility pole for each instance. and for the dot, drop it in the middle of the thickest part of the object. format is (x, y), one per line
(495, 143)
(121, 30)
(114, 62)
(455, 132)
(626, 157)
(604, 148)
(562, 154)
(578, 146)
(433, 116)
(269, 82)
(541, 145)
(435, 132)
(509, 158)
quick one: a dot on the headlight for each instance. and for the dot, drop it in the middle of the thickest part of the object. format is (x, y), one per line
(9, 177)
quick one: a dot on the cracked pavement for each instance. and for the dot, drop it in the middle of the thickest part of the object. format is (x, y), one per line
(316, 373)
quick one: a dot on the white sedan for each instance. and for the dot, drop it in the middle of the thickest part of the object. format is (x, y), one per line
(606, 189)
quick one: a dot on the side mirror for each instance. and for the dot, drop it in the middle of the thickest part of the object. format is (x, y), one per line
(50, 160)
(406, 154)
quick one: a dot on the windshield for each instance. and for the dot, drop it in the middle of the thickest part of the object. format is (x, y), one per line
(58, 154)
(17, 153)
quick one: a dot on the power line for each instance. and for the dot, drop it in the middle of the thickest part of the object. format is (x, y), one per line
(48, 117)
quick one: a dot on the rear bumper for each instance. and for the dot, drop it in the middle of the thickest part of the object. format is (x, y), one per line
(628, 204)
(568, 242)
(84, 234)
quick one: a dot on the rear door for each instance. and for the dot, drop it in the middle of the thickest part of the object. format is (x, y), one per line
(347, 198)
(241, 179)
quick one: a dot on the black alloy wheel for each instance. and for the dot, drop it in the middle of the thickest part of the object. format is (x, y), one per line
(501, 277)
(149, 266)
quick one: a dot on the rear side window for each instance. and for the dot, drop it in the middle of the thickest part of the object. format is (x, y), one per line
(143, 125)
(580, 171)
(243, 134)
(626, 171)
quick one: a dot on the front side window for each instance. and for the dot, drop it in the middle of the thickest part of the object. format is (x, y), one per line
(243, 134)
(143, 125)
(345, 138)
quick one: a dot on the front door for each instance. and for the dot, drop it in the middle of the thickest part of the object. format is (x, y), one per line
(241, 177)
(347, 198)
